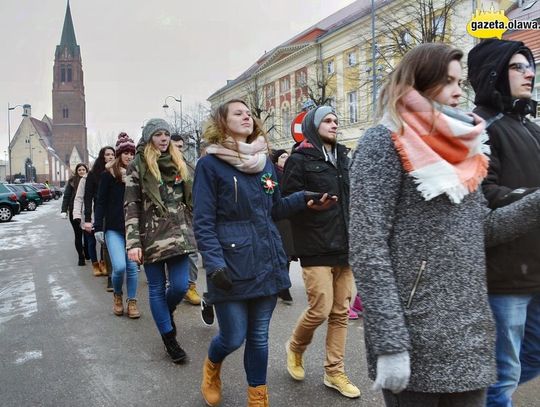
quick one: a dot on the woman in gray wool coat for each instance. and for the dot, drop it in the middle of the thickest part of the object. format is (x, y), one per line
(419, 226)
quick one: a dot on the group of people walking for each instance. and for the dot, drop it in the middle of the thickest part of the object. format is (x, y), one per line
(431, 200)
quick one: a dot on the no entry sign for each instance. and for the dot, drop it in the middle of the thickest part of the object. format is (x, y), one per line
(296, 127)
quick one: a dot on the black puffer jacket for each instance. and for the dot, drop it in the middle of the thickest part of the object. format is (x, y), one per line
(320, 238)
(514, 171)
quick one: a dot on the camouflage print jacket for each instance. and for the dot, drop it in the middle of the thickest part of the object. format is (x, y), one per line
(159, 237)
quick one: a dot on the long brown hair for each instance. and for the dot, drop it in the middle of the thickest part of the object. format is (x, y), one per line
(216, 130)
(424, 68)
(116, 168)
(75, 179)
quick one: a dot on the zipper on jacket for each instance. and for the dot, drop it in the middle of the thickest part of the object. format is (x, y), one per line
(235, 189)
(416, 283)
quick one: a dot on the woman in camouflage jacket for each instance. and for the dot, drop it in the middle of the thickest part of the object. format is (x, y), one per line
(158, 225)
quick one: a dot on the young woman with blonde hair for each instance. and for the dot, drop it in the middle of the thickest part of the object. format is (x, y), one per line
(159, 227)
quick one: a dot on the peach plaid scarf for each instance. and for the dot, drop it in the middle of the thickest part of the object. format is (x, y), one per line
(246, 157)
(444, 155)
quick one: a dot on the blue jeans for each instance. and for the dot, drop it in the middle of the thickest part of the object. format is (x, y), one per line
(116, 245)
(247, 321)
(164, 300)
(518, 344)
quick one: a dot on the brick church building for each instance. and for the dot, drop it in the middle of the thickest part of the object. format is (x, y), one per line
(50, 148)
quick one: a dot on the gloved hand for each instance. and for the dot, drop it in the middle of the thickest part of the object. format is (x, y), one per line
(64, 215)
(220, 278)
(393, 372)
(100, 237)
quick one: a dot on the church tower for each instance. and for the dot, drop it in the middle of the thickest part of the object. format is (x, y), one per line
(69, 106)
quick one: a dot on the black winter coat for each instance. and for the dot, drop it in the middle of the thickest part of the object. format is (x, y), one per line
(90, 194)
(320, 238)
(514, 267)
(514, 169)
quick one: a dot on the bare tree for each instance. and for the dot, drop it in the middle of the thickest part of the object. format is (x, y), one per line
(99, 140)
(256, 100)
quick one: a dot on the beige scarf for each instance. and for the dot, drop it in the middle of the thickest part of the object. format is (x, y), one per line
(246, 157)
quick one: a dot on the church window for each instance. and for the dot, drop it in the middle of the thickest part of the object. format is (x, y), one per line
(69, 73)
(63, 73)
(65, 112)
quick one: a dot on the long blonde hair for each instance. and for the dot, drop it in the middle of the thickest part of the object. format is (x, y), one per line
(151, 155)
(424, 68)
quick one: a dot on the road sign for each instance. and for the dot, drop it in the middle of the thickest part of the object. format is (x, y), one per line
(296, 127)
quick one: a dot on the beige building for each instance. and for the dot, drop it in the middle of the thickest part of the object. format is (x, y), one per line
(331, 62)
(32, 155)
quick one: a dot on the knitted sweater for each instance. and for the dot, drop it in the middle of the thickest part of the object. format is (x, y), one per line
(420, 269)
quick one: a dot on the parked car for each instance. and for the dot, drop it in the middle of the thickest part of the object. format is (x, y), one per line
(21, 195)
(32, 197)
(44, 192)
(9, 206)
(57, 192)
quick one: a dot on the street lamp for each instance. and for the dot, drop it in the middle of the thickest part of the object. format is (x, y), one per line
(166, 106)
(10, 108)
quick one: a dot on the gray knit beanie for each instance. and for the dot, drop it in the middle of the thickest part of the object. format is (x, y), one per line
(152, 126)
(320, 113)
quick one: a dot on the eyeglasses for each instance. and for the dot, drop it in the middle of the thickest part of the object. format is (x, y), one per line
(521, 67)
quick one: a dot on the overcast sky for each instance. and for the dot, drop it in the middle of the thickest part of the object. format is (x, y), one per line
(137, 52)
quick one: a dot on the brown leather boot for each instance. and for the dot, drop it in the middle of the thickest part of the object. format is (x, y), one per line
(258, 396)
(96, 269)
(132, 310)
(103, 268)
(118, 305)
(211, 383)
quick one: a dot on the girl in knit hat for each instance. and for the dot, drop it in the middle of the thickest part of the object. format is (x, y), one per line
(158, 221)
(110, 226)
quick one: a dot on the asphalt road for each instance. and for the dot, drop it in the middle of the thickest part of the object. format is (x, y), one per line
(61, 345)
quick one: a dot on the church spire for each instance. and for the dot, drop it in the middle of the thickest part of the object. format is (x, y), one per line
(68, 39)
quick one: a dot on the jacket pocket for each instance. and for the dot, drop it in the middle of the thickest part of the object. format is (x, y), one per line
(239, 257)
(416, 283)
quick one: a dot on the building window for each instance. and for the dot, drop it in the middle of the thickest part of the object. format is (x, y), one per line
(63, 73)
(353, 107)
(439, 25)
(69, 73)
(351, 58)
(65, 112)
(270, 91)
(285, 120)
(270, 123)
(301, 79)
(284, 84)
(330, 67)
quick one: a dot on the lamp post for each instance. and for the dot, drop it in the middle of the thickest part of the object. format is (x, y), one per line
(10, 108)
(166, 106)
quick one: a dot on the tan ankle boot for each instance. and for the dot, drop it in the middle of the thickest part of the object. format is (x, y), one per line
(132, 310)
(211, 383)
(103, 268)
(96, 269)
(258, 396)
(118, 305)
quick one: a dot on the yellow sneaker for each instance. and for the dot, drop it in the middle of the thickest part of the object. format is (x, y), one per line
(192, 296)
(295, 363)
(341, 383)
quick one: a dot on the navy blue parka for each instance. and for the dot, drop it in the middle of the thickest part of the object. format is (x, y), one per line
(234, 228)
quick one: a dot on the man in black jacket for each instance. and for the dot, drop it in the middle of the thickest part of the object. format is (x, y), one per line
(502, 75)
(320, 164)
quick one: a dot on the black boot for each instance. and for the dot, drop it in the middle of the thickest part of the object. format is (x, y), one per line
(285, 296)
(81, 261)
(174, 350)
